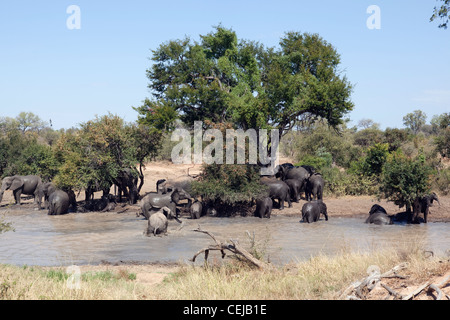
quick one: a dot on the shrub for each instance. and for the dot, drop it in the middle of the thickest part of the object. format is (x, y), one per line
(229, 185)
(404, 179)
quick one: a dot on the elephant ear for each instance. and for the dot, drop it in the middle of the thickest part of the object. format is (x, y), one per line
(16, 184)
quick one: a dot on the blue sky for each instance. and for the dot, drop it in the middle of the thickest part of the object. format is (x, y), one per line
(70, 76)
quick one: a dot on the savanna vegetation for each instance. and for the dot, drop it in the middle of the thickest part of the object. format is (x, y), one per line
(297, 90)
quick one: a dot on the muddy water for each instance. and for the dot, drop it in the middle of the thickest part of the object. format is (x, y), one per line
(92, 238)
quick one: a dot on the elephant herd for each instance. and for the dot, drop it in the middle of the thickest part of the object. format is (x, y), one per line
(287, 185)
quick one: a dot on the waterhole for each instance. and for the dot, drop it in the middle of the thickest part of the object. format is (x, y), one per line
(94, 238)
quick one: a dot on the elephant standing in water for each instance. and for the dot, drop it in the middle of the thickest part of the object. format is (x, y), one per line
(311, 211)
(29, 185)
(59, 202)
(378, 215)
(154, 201)
(422, 205)
(264, 207)
(158, 221)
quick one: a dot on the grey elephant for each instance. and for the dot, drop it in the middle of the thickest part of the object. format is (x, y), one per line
(278, 189)
(422, 205)
(29, 185)
(95, 186)
(126, 182)
(311, 211)
(159, 221)
(196, 210)
(45, 190)
(154, 201)
(264, 207)
(378, 215)
(181, 182)
(59, 202)
(299, 173)
(295, 188)
(314, 187)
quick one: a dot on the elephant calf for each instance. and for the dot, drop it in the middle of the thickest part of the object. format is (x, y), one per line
(264, 207)
(196, 210)
(311, 211)
(378, 215)
(158, 222)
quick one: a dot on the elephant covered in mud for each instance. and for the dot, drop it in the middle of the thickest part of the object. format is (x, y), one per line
(314, 187)
(278, 189)
(59, 202)
(311, 211)
(159, 221)
(154, 201)
(264, 207)
(379, 216)
(196, 210)
(29, 185)
(422, 205)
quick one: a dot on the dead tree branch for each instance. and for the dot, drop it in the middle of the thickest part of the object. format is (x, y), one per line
(233, 246)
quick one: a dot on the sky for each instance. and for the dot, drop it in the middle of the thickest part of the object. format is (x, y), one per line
(69, 68)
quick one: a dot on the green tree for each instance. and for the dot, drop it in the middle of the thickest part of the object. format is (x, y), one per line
(100, 149)
(404, 180)
(415, 120)
(222, 78)
(442, 12)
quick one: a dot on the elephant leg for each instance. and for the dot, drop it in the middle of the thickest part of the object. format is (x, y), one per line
(17, 194)
(425, 215)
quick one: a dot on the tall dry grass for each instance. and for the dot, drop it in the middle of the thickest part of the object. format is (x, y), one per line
(320, 277)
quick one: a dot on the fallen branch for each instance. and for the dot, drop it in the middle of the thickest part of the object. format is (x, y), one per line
(435, 288)
(392, 291)
(234, 247)
(416, 292)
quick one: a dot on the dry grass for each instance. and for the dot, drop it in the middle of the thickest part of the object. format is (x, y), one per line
(321, 277)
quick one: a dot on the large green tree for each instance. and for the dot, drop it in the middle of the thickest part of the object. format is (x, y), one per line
(223, 79)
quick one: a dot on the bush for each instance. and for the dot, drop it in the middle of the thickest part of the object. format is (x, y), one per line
(229, 185)
(405, 179)
(341, 183)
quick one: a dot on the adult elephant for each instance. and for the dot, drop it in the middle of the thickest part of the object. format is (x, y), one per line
(314, 187)
(59, 202)
(46, 189)
(264, 207)
(126, 182)
(182, 182)
(95, 186)
(298, 173)
(295, 188)
(278, 189)
(154, 201)
(422, 205)
(311, 211)
(29, 185)
(379, 216)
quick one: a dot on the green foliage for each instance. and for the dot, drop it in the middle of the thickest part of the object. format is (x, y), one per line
(322, 159)
(229, 184)
(224, 79)
(341, 182)
(375, 158)
(442, 12)
(415, 120)
(404, 179)
(442, 181)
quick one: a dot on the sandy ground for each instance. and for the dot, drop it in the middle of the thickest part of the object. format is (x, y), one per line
(151, 274)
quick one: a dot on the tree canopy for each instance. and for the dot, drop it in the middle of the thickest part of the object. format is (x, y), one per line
(225, 79)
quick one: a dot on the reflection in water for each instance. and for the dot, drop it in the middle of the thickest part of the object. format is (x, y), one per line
(91, 238)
